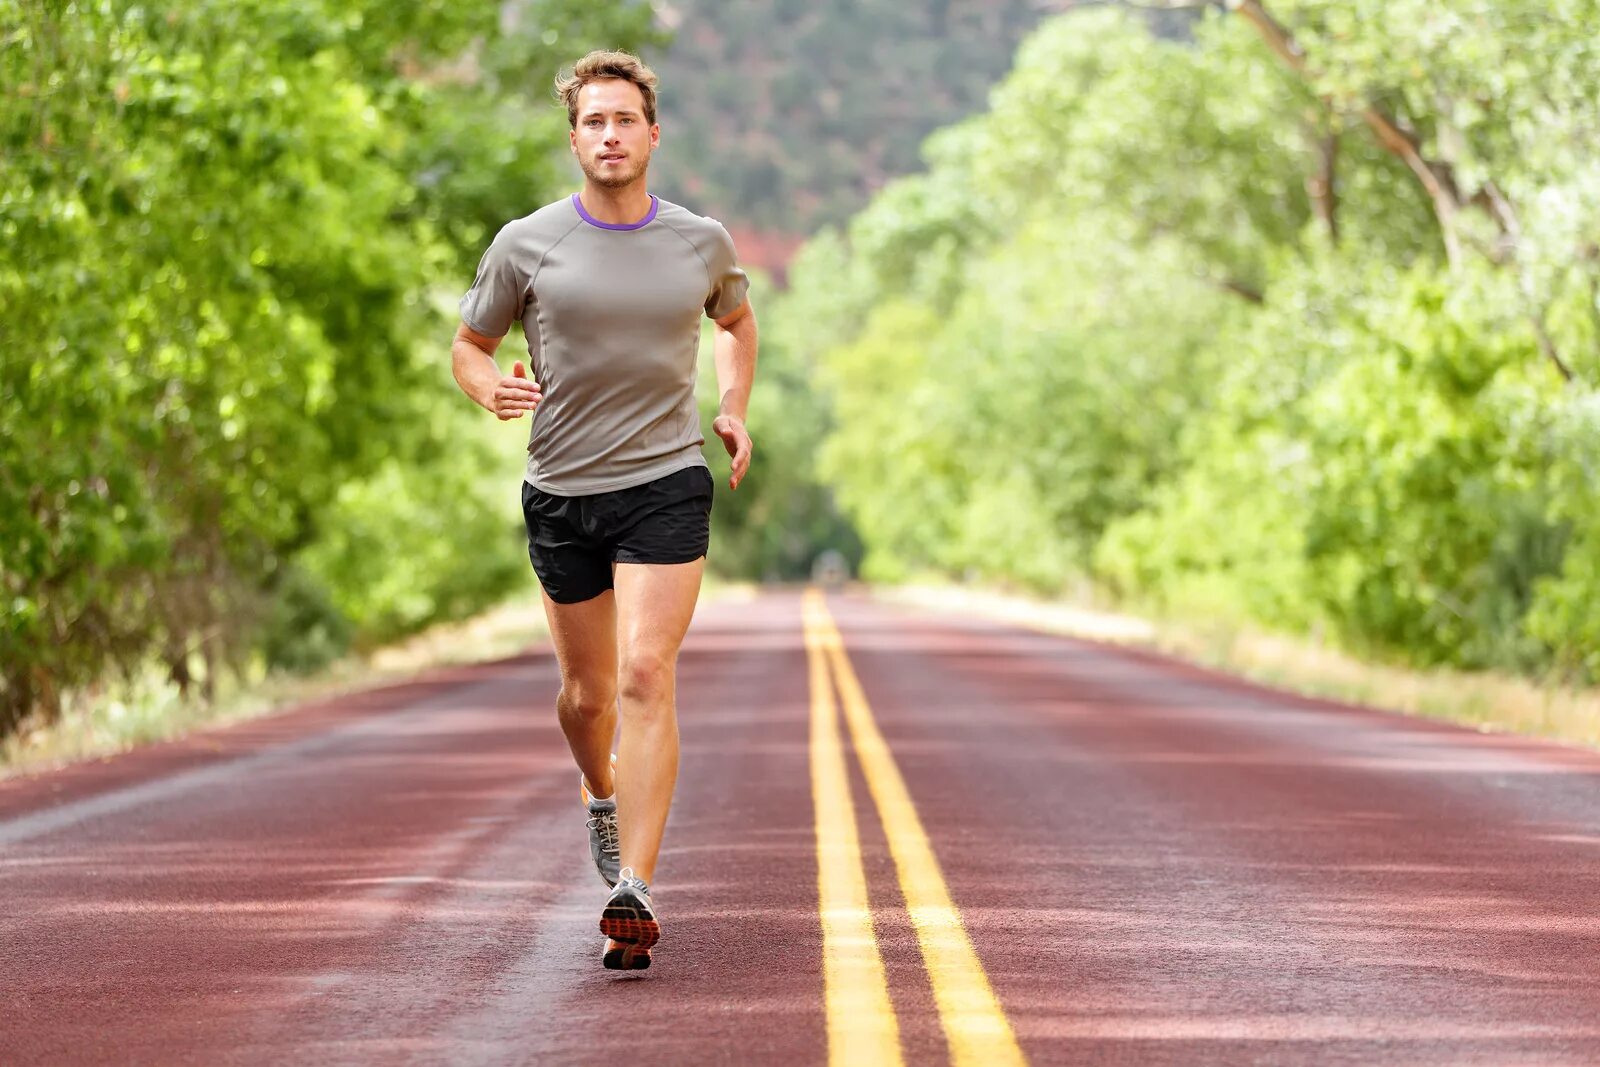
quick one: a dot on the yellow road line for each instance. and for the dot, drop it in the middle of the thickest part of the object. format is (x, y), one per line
(974, 1023)
(862, 1028)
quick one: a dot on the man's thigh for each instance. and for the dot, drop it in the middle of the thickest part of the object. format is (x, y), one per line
(655, 602)
(585, 639)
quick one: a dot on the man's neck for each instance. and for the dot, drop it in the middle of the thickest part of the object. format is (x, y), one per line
(616, 207)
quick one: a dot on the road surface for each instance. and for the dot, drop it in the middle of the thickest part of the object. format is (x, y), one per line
(897, 837)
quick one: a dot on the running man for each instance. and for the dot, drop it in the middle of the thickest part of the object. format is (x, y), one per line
(610, 284)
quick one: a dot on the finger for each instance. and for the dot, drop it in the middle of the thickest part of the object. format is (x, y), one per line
(518, 385)
(518, 371)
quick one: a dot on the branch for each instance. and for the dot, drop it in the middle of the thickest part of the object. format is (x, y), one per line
(1322, 185)
(1436, 178)
(1511, 226)
(1495, 204)
(1546, 345)
(1238, 288)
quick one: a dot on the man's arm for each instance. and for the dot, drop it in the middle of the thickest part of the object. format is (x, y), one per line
(472, 360)
(734, 348)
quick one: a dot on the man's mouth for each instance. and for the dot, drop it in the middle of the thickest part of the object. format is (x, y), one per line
(612, 157)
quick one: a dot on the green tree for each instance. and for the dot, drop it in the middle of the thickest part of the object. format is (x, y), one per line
(1292, 321)
(224, 232)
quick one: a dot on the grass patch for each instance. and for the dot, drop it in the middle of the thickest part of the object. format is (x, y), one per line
(1482, 700)
(119, 716)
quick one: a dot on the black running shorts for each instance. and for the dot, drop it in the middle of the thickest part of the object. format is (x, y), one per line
(574, 540)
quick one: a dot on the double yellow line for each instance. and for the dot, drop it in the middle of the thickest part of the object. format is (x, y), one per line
(862, 1027)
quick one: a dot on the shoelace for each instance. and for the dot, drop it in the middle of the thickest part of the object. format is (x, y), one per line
(626, 877)
(606, 825)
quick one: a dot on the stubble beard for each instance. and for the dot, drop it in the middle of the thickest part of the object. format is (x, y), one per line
(599, 176)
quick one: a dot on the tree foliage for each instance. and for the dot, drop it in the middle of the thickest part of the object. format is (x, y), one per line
(1293, 321)
(225, 231)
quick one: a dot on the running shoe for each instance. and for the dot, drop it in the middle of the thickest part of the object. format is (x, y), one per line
(604, 845)
(621, 956)
(629, 916)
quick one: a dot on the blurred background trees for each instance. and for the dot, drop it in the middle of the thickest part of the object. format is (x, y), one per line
(229, 236)
(1292, 321)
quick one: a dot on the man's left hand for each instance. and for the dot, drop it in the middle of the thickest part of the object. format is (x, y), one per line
(736, 439)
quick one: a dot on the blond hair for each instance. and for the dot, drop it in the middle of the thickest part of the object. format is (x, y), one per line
(604, 64)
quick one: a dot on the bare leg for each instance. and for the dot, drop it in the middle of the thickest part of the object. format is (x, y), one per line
(654, 605)
(585, 638)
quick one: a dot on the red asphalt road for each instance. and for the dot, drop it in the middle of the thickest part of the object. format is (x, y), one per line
(1155, 864)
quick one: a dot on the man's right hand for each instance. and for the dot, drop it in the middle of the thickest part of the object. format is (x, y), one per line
(515, 393)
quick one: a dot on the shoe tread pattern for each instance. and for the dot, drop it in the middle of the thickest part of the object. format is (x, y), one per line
(629, 919)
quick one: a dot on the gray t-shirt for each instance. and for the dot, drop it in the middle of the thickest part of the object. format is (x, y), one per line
(612, 316)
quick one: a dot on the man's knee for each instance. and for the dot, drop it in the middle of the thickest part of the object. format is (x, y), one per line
(585, 700)
(647, 680)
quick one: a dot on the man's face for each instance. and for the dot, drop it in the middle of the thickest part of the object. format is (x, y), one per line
(612, 140)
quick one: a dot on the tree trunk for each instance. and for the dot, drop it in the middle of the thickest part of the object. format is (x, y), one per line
(1321, 185)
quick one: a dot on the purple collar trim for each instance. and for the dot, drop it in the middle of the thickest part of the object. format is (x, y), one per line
(577, 202)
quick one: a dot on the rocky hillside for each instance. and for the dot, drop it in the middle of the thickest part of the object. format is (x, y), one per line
(782, 117)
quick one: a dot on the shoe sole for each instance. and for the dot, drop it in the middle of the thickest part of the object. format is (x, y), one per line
(625, 957)
(628, 919)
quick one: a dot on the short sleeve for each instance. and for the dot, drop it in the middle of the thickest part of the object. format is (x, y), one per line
(729, 284)
(498, 293)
